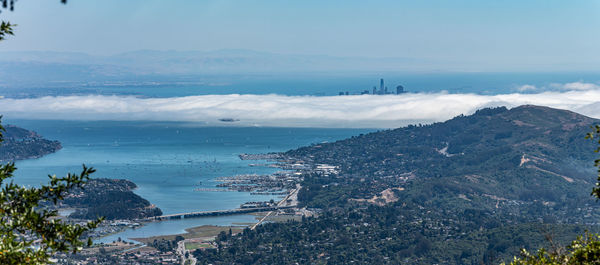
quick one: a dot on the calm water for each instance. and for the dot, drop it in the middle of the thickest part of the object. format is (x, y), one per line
(173, 227)
(313, 84)
(167, 160)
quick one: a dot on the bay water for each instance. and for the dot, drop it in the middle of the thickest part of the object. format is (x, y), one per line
(168, 162)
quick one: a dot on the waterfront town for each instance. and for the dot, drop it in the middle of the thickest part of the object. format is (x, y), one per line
(178, 249)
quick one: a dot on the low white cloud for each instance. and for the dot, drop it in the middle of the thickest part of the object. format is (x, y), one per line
(573, 86)
(297, 111)
(526, 88)
(581, 86)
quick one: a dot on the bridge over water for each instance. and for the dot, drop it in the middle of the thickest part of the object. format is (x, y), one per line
(217, 213)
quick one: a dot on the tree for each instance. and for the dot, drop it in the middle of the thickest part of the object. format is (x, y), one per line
(6, 28)
(29, 232)
(585, 249)
(596, 134)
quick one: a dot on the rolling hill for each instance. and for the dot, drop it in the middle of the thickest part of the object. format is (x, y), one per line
(472, 190)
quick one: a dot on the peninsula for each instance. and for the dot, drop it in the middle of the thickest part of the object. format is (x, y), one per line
(22, 144)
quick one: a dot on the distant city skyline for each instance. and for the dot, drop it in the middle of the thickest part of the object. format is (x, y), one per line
(473, 35)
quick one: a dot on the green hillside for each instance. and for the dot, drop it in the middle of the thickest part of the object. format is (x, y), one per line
(471, 190)
(494, 159)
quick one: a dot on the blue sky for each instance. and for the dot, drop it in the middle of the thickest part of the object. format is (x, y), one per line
(505, 33)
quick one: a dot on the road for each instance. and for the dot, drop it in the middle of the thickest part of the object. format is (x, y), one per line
(181, 252)
(292, 196)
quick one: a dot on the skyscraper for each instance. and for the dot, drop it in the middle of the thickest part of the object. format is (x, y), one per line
(381, 86)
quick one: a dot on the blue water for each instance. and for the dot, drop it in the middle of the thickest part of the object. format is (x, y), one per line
(173, 227)
(167, 161)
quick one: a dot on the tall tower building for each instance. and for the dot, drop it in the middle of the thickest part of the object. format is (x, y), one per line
(381, 86)
(374, 90)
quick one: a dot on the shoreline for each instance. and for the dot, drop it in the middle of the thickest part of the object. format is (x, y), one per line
(240, 183)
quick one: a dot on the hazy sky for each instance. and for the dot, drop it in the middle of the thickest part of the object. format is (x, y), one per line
(486, 32)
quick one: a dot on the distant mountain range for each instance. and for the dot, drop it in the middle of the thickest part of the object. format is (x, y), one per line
(198, 62)
(37, 66)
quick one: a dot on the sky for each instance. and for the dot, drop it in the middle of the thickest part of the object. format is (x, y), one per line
(502, 33)
(474, 35)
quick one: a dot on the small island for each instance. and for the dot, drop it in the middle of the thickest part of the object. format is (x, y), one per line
(228, 120)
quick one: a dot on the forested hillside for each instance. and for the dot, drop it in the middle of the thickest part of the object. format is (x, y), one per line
(471, 190)
(111, 199)
(20, 144)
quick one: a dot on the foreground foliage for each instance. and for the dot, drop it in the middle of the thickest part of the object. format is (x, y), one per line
(583, 250)
(7, 28)
(31, 234)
